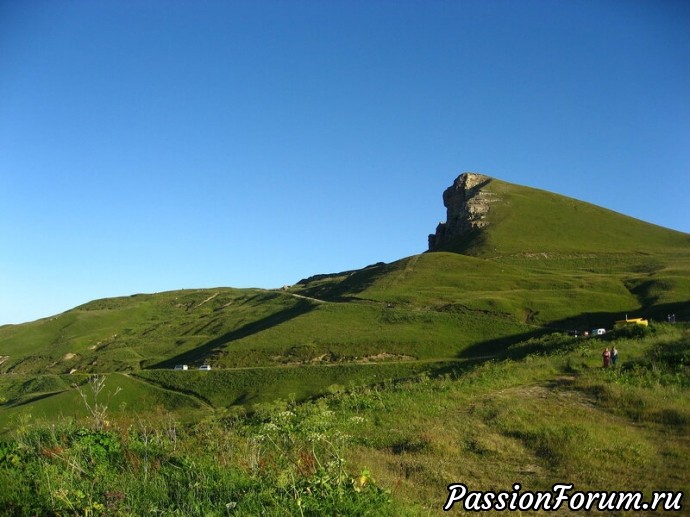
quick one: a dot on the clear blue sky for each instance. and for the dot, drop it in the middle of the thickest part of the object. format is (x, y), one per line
(156, 145)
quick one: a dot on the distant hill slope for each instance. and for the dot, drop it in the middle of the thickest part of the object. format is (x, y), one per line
(533, 261)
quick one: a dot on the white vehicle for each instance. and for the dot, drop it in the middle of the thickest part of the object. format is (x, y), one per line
(205, 367)
(598, 332)
(181, 367)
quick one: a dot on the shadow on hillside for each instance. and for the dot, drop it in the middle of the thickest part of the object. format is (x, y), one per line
(587, 321)
(30, 399)
(354, 282)
(455, 368)
(471, 244)
(201, 352)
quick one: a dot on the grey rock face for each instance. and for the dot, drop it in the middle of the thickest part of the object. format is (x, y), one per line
(467, 206)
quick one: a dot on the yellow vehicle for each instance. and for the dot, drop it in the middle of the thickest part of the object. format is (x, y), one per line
(633, 321)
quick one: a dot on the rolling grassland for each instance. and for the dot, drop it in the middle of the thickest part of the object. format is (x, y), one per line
(367, 392)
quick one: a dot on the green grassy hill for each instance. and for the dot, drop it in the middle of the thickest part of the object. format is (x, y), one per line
(366, 392)
(525, 221)
(544, 262)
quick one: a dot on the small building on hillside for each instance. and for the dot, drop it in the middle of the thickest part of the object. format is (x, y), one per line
(632, 321)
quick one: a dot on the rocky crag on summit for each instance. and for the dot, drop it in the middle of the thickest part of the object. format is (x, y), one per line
(467, 206)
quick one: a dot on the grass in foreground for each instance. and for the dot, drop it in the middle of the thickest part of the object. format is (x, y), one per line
(550, 414)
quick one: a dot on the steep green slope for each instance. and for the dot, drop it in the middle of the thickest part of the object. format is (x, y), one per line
(428, 306)
(544, 262)
(525, 221)
(536, 291)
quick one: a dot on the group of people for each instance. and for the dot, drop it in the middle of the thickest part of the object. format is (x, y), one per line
(610, 357)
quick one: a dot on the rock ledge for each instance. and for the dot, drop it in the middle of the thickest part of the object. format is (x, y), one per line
(467, 207)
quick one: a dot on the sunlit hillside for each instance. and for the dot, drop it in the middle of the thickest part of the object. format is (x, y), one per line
(544, 263)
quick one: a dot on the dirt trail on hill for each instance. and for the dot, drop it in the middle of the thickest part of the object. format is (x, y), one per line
(307, 298)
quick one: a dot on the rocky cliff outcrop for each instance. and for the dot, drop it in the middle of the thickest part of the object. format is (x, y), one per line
(468, 205)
